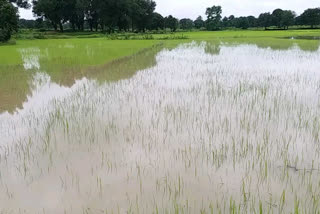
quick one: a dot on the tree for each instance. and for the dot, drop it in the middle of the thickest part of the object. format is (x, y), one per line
(147, 8)
(199, 23)
(8, 20)
(172, 23)
(78, 9)
(242, 22)
(288, 18)
(29, 24)
(298, 21)
(214, 17)
(186, 24)
(310, 17)
(265, 20)
(157, 22)
(112, 13)
(141, 12)
(109, 15)
(225, 22)
(277, 17)
(53, 10)
(283, 18)
(252, 21)
(21, 3)
(9, 17)
(231, 20)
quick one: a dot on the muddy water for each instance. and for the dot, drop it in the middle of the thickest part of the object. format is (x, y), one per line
(207, 128)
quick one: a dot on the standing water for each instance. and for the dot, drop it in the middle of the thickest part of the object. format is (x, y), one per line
(209, 128)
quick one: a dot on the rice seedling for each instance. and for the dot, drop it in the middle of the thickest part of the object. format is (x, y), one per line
(206, 127)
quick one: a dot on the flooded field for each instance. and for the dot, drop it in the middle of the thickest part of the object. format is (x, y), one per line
(205, 127)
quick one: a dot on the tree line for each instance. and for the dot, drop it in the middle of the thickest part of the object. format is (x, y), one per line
(135, 16)
(278, 19)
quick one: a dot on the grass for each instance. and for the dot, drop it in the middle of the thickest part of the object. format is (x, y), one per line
(193, 35)
(112, 48)
(85, 51)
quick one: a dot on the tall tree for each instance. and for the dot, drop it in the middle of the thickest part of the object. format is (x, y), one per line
(288, 18)
(277, 15)
(9, 17)
(214, 17)
(252, 21)
(242, 22)
(108, 14)
(141, 12)
(92, 13)
(148, 7)
(283, 18)
(186, 24)
(78, 10)
(225, 22)
(231, 20)
(111, 14)
(56, 11)
(8, 20)
(265, 20)
(311, 17)
(157, 22)
(199, 23)
(171, 22)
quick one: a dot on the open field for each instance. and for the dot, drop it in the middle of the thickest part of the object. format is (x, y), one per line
(217, 122)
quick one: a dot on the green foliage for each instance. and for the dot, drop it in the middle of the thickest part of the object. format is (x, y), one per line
(21, 3)
(199, 23)
(8, 20)
(242, 23)
(283, 18)
(106, 15)
(172, 23)
(157, 22)
(117, 16)
(186, 24)
(288, 17)
(214, 17)
(310, 17)
(265, 20)
(54, 10)
(279, 18)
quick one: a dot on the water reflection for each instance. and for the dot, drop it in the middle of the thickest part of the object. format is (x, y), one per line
(213, 48)
(16, 84)
(30, 58)
(197, 131)
(275, 43)
(14, 87)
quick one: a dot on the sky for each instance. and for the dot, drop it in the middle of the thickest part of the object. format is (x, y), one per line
(193, 8)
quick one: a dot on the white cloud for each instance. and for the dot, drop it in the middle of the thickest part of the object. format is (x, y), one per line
(26, 14)
(193, 8)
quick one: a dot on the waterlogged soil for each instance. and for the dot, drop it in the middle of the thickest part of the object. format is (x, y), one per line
(206, 127)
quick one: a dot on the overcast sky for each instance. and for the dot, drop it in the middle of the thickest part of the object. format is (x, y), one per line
(193, 8)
